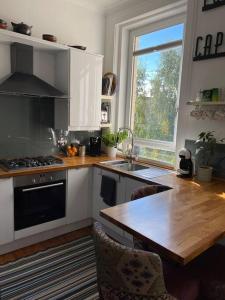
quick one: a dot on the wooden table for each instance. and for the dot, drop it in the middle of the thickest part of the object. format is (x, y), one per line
(180, 223)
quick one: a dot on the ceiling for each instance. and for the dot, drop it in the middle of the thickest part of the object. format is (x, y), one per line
(102, 5)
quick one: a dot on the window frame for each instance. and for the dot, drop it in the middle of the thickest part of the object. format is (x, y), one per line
(133, 34)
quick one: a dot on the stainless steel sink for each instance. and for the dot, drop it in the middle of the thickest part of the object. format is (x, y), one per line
(114, 162)
(124, 165)
(131, 167)
(147, 172)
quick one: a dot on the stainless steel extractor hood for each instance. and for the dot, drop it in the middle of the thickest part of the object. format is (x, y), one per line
(22, 81)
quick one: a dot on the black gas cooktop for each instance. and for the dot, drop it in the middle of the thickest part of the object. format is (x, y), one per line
(29, 162)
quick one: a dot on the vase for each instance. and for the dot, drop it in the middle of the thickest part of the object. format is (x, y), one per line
(204, 173)
(111, 152)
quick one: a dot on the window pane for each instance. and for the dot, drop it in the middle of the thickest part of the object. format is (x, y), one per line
(170, 34)
(164, 156)
(156, 81)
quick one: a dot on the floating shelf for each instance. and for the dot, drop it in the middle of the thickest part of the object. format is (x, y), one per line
(108, 125)
(105, 97)
(8, 37)
(201, 103)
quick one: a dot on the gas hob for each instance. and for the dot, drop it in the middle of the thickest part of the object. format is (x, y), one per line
(30, 162)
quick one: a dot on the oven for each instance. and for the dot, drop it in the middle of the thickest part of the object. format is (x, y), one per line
(39, 198)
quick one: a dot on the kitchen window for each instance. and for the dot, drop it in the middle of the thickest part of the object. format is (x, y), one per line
(156, 65)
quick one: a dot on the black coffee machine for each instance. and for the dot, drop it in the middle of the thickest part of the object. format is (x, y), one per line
(95, 146)
(186, 165)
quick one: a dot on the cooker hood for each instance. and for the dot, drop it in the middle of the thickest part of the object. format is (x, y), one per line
(23, 82)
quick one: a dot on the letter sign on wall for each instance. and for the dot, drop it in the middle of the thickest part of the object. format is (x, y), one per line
(208, 47)
(211, 4)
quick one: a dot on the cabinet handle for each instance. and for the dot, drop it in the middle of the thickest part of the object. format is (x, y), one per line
(42, 187)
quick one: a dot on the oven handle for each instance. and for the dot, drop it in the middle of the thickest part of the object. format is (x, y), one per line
(42, 187)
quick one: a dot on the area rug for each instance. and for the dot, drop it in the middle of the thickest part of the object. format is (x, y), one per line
(64, 272)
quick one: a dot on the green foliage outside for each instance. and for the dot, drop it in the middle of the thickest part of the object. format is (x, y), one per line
(155, 112)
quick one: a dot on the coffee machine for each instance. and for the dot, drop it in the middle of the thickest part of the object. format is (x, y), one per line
(95, 146)
(186, 165)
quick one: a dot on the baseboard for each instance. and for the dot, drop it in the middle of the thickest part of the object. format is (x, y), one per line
(43, 236)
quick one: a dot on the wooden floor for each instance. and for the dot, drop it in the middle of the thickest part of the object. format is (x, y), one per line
(23, 252)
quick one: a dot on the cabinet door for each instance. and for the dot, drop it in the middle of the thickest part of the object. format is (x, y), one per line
(98, 203)
(79, 202)
(6, 211)
(130, 186)
(85, 90)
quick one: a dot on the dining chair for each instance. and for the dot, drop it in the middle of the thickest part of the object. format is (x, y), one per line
(127, 274)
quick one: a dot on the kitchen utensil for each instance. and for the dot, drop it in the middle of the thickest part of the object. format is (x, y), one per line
(82, 150)
(79, 47)
(22, 28)
(49, 37)
(3, 24)
(109, 84)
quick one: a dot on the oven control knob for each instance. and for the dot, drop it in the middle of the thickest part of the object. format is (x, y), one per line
(33, 180)
(51, 178)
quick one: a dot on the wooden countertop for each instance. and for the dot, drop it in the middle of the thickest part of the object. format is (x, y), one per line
(69, 163)
(180, 223)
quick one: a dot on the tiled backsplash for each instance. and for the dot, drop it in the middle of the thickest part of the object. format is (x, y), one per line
(217, 161)
(26, 127)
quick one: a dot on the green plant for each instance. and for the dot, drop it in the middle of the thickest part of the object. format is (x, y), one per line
(206, 145)
(112, 139)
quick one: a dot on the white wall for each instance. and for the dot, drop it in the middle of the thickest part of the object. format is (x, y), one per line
(195, 75)
(132, 10)
(71, 23)
(118, 25)
(198, 75)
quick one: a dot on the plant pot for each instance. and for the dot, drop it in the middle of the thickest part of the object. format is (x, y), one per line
(204, 173)
(111, 151)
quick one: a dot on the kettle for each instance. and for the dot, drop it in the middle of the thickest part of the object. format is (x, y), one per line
(22, 28)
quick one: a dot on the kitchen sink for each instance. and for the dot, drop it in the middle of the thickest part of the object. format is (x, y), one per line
(147, 172)
(125, 165)
(131, 167)
(114, 162)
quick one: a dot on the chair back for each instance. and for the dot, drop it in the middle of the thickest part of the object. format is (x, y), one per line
(125, 273)
(148, 191)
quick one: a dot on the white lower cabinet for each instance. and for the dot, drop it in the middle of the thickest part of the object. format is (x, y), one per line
(130, 186)
(6, 211)
(79, 199)
(124, 188)
(98, 203)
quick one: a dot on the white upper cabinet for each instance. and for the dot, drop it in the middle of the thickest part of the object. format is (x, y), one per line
(85, 90)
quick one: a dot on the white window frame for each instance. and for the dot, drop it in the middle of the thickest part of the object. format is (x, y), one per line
(162, 24)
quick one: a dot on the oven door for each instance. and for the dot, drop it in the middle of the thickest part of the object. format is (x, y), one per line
(39, 204)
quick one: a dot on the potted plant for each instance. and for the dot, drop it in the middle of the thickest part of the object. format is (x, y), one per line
(112, 140)
(206, 143)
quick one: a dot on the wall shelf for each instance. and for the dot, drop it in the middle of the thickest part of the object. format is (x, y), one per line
(201, 103)
(208, 110)
(107, 125)
(106, 98)
(8, 37)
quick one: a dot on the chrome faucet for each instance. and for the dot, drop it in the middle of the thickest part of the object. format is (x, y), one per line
(130, 153)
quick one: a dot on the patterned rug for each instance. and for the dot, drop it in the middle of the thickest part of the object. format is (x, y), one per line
(64, 272)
